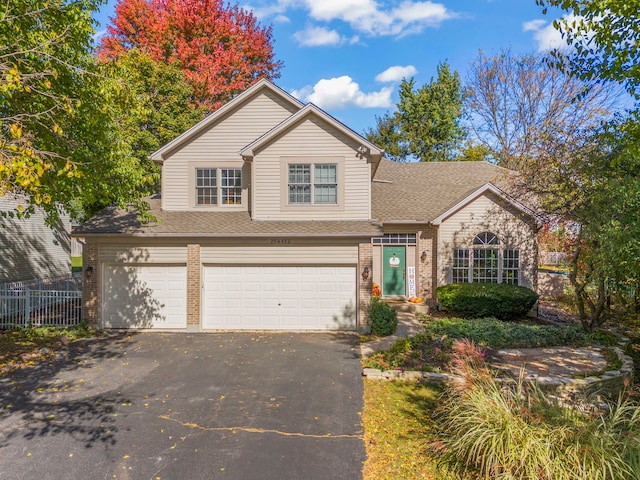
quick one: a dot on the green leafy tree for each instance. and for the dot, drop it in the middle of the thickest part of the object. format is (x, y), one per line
(427, 123)
(603, 198)
(599, 186)
(159, 104)
(59, 138)
(605, 40)
(152, 105)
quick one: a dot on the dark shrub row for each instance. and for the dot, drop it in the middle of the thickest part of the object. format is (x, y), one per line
(478, 300)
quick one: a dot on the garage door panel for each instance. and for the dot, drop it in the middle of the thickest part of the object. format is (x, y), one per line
(144, 296)
(279, 297)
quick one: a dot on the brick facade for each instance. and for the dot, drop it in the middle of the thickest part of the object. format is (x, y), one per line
(90, 284)
(365, 259)
(193, 286)
(428, 261)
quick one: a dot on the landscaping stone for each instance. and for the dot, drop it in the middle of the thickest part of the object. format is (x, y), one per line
(552, 368)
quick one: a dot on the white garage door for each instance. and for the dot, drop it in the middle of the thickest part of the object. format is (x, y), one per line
(149, 296)
(279, 298)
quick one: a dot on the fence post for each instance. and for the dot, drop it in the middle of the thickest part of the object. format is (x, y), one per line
(27, 306)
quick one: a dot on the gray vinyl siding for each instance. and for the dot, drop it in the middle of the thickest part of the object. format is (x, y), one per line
(29, 249)
(280, 255)
(143, 254)
(311, 139)
(487, 213)
(220, 143)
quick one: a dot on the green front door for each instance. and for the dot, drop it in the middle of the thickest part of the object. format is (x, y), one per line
(393, 270)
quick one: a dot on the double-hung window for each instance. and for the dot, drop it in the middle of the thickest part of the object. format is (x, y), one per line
(313, 184)
(206, 186)
(218, 186)
(486, 262)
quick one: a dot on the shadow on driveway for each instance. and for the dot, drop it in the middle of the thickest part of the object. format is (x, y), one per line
(228, 406)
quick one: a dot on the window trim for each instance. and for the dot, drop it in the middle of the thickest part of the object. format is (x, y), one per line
(471, 260)
(312, 161)
(313, 183)
(220, 188)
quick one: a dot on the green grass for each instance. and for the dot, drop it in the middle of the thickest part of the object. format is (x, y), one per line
(76, 264)
(398, 431)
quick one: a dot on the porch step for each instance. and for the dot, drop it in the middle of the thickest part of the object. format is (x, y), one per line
(402, 305)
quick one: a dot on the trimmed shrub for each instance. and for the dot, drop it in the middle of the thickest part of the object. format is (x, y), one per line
(384, 319)
(478, 300)
(493, 333)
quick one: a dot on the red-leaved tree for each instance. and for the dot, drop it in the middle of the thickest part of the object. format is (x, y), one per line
(221, 48)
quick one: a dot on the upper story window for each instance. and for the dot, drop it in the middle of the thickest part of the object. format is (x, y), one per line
(313, 184)
(486, 262)
(218, 186)
(206, 186)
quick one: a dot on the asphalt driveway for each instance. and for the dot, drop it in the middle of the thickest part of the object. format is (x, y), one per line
(180, 406)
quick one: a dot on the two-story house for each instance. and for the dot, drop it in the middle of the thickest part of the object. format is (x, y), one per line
(273, 215)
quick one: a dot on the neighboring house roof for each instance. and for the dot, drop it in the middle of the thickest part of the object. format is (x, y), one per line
(114, 221)
(221, 112)
(422, 191)
(310, 110)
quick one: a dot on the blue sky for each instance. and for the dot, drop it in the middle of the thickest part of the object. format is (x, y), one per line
(349, 56)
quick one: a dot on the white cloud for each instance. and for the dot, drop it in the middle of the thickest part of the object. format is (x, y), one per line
(366, 16)
(281, 19)
(533, 25)
(546, 35)
(343, 92)
(396, 73)
(370, 17)
(317, 36)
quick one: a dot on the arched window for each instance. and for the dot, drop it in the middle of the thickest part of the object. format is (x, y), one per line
(486, 238)
(486, 262)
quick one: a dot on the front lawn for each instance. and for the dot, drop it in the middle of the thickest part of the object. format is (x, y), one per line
(398, 430)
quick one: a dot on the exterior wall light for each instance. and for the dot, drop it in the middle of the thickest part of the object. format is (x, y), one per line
(365, 273)
(88, 271)
(423, 257)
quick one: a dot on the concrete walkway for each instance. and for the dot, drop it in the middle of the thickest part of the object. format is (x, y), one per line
(408, 325)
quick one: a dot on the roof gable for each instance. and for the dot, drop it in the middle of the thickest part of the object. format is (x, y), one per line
(488, 187)
(423, 191)
(310, 110)
(210, 120)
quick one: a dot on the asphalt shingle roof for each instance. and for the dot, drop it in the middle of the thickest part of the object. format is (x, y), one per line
(115, 221)
(422, 191)
(400, 192)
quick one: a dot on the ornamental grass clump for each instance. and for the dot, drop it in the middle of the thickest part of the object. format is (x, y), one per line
(515, 432)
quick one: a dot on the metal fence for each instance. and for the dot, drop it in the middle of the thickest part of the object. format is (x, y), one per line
(55, 301)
